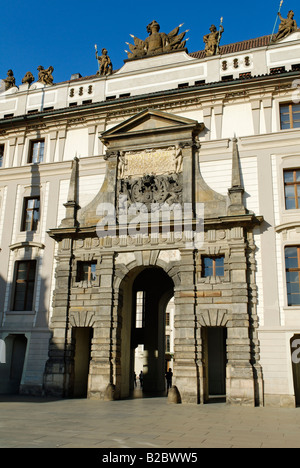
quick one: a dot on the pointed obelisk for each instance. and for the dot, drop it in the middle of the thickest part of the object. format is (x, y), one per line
(236, 192)
(72, 206)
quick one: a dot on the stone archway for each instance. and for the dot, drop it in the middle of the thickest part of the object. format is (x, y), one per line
(143, 295)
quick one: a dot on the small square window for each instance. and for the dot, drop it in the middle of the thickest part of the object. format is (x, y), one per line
(36, 154)
(86, 271)
(212, 266)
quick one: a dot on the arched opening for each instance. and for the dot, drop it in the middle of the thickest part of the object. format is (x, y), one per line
(146, 294)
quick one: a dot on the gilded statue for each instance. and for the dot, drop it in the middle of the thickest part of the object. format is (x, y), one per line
(212, 40)
(45, 76)
(28, 78)
(10, 81)
(156, 43)
(104, 63)
(287, 26)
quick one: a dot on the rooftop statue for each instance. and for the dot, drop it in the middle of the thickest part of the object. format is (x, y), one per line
(286, 27)
(157, 43)
(28, 78)
(45, 76)
(212, 40)
(104, 63)
(10, 81)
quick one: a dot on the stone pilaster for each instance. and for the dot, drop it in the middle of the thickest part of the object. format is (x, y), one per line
(239, 378)
(185, 359)
(59, 371)
(101, 367)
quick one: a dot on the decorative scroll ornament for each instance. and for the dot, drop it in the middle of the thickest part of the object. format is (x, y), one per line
(157, 43)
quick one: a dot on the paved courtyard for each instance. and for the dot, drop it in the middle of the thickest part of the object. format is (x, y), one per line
(142, 423)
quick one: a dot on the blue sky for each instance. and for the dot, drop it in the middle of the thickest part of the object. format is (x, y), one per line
(62, 33)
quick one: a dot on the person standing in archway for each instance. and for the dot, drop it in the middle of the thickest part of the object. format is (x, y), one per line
(169, 376)
(141, 377)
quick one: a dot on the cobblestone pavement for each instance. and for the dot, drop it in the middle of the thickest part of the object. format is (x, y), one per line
(143, 423)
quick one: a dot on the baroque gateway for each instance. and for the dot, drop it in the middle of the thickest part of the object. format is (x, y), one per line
(150, 220)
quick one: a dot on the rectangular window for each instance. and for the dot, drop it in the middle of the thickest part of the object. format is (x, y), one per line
(168, 344)
(292, 268)
(292, 189)
(36, 154)
(86, 271)
(289, 116)
(212, 266)
(24, 285)
(1, 155)
(140, 309)
(31, 214)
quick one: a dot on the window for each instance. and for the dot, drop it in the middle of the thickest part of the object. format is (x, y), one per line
(213, 266)
(292, 189)
(140, 309)
(292, 265)
(24, 285)
(31, 214)
(289, 116)
(1, 155)
(86, 271)
(168, 343)
(36, 151)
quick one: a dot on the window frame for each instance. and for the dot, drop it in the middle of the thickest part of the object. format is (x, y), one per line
(31, 265)
(295, 183)
(214, 266)
(290, 114)
(31, 151)
(80, 272)
(32, 210)
(291, 270)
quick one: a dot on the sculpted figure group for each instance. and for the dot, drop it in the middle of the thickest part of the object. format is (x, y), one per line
(156, 43)
(45, 77)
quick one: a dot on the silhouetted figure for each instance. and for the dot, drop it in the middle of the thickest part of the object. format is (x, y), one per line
(169, 376)
(141, 377)
(134, 379)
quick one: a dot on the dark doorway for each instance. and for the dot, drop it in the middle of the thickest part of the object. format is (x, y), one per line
(83, 337)
(214, 340)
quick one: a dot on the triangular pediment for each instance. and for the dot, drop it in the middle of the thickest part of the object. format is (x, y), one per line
(148, 120)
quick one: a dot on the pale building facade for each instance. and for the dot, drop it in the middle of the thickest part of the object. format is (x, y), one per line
(77, 302)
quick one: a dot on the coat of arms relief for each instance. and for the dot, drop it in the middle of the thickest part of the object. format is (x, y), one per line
(151, 177)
